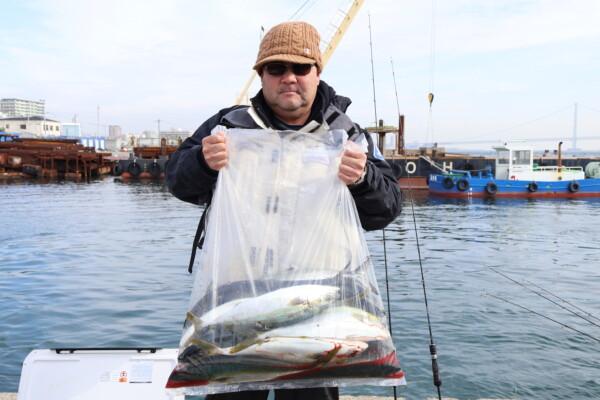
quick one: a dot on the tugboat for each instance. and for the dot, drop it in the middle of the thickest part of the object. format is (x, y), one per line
(516, 175)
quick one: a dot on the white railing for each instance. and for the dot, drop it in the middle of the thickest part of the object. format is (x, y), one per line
(554, 168)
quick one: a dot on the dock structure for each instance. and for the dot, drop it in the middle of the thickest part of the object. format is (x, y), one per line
(400, 398)
(49, 158)
(13, 396)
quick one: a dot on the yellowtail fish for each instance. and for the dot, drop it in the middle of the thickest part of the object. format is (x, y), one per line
(346, 323)
(271, 310)
(262, 360)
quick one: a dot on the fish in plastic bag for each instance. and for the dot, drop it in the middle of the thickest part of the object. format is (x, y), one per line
(285, 294)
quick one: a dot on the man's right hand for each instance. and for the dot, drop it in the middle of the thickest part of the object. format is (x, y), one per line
(214, 149)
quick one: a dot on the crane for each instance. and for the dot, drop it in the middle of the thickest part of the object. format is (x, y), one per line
(330, 43)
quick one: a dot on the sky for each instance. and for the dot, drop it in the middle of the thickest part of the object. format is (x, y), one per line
(499, 70)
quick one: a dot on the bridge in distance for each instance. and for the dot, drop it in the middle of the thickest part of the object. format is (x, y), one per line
(552, 139)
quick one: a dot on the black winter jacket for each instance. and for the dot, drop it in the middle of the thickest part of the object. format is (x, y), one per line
(188, 177)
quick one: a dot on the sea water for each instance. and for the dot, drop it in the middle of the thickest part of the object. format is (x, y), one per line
(104, 264)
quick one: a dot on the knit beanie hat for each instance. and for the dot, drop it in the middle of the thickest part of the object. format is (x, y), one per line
(295, 42)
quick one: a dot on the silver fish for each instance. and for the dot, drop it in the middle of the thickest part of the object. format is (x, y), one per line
(270, 310)
(347, 323)
(264, 359)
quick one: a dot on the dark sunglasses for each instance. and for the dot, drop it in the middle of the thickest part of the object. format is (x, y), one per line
(279, 68)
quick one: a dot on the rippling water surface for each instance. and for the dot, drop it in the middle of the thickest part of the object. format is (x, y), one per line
(104, 264)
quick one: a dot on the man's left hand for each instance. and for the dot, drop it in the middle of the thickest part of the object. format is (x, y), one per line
(353, 164)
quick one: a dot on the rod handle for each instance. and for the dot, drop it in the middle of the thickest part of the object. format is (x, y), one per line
(437, 380)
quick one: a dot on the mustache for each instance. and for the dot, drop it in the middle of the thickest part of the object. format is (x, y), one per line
(288, 88)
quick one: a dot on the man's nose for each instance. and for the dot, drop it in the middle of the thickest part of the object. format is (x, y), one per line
(289, 76)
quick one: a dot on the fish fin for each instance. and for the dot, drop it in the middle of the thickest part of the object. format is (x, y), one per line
(244, 344)
(325, 358)
(205, 348)
(196, 321)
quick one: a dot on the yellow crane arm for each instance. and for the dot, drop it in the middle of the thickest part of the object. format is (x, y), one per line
(341, 30)
(241, 96)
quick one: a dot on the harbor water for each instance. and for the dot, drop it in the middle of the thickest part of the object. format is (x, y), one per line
(104, 264)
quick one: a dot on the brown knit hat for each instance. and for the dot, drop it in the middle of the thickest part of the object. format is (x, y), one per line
(296, 42)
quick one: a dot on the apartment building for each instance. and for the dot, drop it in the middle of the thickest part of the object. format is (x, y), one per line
(17, 108)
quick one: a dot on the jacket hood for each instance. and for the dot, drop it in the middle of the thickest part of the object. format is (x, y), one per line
(330, 96)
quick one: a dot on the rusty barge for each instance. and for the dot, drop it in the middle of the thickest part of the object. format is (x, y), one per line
(50, 158)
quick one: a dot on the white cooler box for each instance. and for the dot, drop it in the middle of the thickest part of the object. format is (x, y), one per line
(90, 374)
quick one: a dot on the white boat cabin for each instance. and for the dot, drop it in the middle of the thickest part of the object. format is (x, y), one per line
(515, 161)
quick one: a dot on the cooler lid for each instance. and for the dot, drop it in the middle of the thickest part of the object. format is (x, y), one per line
(89, 374)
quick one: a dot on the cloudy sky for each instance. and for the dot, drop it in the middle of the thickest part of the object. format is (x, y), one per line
(508, 69)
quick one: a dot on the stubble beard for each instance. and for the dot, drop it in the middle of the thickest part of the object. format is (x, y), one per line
(291, 108)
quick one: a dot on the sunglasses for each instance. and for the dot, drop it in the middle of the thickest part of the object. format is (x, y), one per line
(279, 68)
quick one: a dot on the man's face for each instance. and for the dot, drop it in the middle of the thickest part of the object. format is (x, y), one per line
(290, 95)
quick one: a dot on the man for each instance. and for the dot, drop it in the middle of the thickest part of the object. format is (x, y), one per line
(292, 97)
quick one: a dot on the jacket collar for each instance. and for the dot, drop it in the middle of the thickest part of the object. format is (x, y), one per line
(325, 96)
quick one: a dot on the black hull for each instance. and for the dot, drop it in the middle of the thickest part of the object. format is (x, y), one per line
(419, 167)
(140, 168)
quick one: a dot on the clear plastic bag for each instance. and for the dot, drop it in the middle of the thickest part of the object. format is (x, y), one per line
(285, 294)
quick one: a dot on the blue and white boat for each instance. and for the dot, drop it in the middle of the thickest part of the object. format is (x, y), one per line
(516, 175)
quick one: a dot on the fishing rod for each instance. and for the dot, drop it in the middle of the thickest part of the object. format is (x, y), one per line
(543, 316)
(387, 282)
(563, 300)
(437, 380)
(544, 297)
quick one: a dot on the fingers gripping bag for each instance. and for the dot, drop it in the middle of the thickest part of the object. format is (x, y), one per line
(285, 294)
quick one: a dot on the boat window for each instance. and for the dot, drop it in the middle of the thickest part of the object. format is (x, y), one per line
(521, 157)
(503, 156)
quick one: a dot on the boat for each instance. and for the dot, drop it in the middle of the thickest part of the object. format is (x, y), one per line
(145, 162)
(412, 167)
(516, 175)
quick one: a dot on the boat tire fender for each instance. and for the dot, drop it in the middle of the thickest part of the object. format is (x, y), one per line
(448, 182)
(118, 169)
(397, 170)
(134, 169)
(574, 187)
(532, 187)
(155, 169)
(491, 188)
(463, 184)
